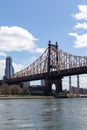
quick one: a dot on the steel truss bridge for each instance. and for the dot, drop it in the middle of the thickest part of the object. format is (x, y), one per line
(52, 66)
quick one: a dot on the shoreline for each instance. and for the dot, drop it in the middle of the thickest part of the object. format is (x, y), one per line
(26, 97)
(40, 97)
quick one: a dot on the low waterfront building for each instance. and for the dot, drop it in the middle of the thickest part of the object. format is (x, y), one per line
(36, 90)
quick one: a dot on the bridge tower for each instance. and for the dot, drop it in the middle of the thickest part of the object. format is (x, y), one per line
(49, 80)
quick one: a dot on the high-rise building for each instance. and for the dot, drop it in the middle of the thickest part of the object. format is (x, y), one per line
(9, 70)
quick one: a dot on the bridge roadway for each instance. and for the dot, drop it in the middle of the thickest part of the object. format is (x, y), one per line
(50, 75)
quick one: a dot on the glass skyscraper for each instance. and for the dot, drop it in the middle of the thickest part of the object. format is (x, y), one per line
(9, 70)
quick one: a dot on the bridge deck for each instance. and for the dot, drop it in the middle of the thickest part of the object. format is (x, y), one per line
(50, 75)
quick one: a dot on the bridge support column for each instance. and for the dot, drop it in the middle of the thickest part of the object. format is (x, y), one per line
(70, 91)
(49, 83)
(78, 84)
(47, 90)
(58, 84)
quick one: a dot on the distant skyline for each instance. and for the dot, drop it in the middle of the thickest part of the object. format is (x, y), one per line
(26, 26)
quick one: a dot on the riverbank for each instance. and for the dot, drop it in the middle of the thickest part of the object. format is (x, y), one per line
(41, 97)
(25, 97)
(77, 95)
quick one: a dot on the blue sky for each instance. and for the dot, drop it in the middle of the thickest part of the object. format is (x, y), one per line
(26, 26)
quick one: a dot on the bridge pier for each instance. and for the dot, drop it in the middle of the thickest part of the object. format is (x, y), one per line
(78, 86)
(49, 83)
(70, 85)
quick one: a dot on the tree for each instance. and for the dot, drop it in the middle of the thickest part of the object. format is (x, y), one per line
(26, 91)
(15, 89)
(5, 89)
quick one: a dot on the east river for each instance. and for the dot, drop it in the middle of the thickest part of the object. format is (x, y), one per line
(43, 114)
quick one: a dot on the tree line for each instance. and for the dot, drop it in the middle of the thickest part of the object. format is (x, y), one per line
(6, 89)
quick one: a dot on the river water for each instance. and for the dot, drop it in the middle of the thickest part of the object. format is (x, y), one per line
(43, 114)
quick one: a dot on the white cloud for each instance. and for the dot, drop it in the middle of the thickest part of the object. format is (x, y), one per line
(39, 50)
(16, 39)
(73, 34)
(81, 26)
(82, 15)
(81, 40)
(2, 68)
(3, 54)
